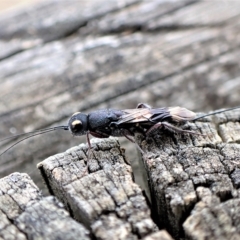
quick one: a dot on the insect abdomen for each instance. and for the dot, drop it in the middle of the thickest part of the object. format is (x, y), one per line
(179, 114)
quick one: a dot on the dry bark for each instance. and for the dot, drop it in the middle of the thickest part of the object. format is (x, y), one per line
(56, 61)
(26, 214)
(160, 235)
(103, 197)
(194, 179)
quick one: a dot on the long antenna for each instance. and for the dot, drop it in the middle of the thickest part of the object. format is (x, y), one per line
(216, 112)
(33, 133)
(40, 130)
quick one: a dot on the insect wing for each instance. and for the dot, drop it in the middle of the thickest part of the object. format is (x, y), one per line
(141, 115)
(174, 114)
(179, 114)
(135, 115)
(154, 115)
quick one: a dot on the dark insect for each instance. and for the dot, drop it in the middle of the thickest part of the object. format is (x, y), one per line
(124, 123)
(111, 122)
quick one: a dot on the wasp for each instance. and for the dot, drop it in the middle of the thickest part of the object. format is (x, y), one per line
(124, 123)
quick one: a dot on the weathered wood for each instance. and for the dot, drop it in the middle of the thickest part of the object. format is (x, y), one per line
(180, 167)
(44, 85)
(40, 23)
(104, 197)
(202, 13)
(213, 219)
(56, 59)
(26, 214)
(160, 235)
(194, 182)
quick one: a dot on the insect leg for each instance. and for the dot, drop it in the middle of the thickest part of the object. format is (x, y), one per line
(153, 128)
(88, 141)
(127, 135)
(99, 135)
(88, 152)
(170, 127)
(176, 129)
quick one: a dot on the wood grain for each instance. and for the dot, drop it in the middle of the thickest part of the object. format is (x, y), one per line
(183, 168)
(59, 58)
(104, 196)
(26, 214)
(65, 62)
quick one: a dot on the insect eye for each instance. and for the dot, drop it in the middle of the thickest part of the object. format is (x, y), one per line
(76, 126)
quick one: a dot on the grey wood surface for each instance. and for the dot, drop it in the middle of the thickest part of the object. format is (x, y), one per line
(160, 235)
(79, 56)
(59, 57)
(26, 214)
(99, 191)
(193, 183)
(194, 179)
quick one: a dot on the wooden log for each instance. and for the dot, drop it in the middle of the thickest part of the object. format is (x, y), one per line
(62, 63)
(26, 214)
(194, 179)
(160, 235)
(44, 24)
(103, 197)
(212, 218)
(174, 53)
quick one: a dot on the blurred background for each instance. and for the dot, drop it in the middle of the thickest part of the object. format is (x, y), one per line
(11, 4)
(59, 57)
